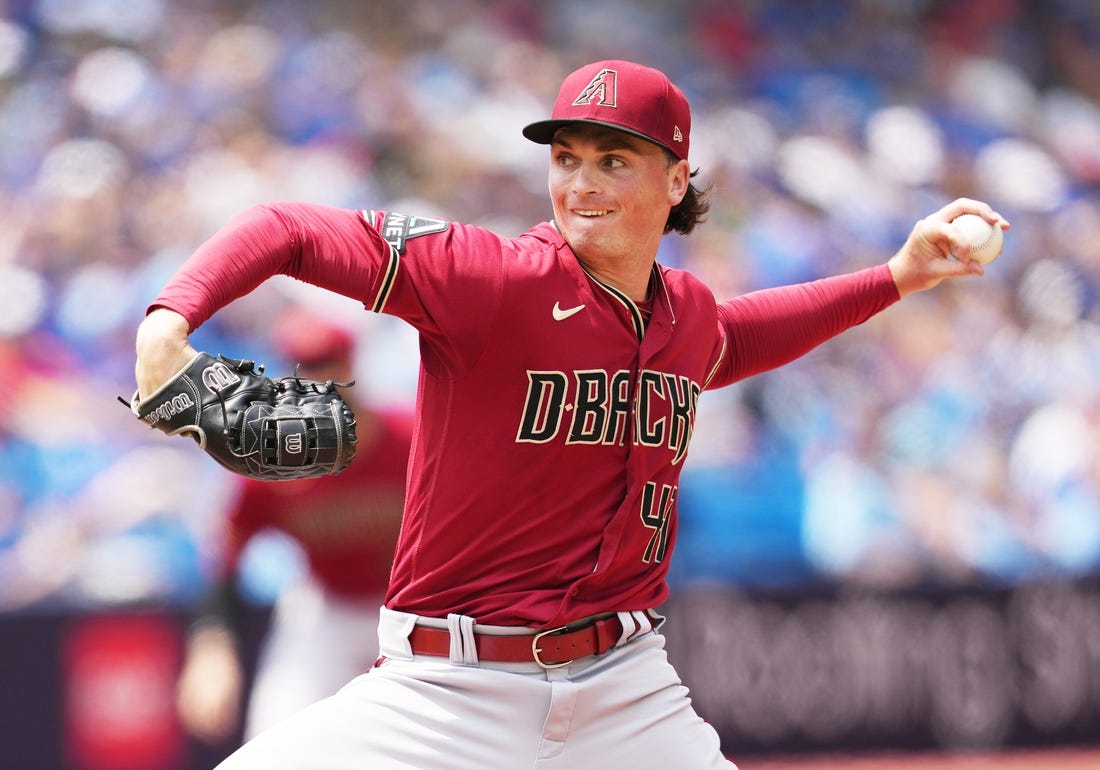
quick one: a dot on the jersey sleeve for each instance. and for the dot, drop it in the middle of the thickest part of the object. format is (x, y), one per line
(443, 278)
(329, 247)
(766, 329)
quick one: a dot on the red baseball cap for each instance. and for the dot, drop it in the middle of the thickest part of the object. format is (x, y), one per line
(620, 94)
(308, 337)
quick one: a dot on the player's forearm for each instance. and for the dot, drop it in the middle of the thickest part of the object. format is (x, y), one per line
(772, 327)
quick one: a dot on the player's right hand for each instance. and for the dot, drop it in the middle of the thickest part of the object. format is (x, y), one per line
(925, 259)
(162, 349)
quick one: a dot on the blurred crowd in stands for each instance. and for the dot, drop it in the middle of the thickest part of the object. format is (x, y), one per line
(953, 439)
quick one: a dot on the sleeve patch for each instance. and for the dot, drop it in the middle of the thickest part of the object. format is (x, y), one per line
(397, 229)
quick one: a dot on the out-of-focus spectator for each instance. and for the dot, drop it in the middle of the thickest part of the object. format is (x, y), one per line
(325, 623)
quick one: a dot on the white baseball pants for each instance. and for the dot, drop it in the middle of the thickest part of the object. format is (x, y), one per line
(624, 709)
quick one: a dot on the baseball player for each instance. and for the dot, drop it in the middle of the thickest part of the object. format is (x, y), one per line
(559, 376)
(324, 626)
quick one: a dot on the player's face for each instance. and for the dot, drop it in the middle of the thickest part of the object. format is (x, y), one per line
(612, 192)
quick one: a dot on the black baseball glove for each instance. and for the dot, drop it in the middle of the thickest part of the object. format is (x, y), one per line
(288, 428)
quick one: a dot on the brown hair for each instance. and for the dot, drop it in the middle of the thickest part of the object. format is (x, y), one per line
(692, 210)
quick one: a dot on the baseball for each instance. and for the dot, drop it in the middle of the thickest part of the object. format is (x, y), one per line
(985, 240)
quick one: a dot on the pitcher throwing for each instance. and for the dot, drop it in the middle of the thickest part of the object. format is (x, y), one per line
(559, 376)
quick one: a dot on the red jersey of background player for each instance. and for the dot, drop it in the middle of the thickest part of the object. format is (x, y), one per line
(553, 413)
(346, 524)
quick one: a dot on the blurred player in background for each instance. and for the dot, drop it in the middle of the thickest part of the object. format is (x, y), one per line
(324, 626)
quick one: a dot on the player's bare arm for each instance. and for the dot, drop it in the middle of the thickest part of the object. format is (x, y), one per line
(162, 349)
(926, 259)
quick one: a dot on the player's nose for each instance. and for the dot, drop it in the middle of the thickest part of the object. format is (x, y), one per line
(586, 179)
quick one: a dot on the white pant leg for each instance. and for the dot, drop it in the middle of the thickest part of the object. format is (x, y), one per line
(625, 709)
(409, 715)
(317, 643)
(631, 711)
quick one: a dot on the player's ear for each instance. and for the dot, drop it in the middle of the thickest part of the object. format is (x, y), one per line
(679, 178)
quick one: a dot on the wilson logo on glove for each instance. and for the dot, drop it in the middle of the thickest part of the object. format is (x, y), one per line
(218, 377)
(169, 408)
(289, 428)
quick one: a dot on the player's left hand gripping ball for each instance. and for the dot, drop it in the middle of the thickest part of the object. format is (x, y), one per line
(289, 428)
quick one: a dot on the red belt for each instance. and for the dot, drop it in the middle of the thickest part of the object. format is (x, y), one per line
(551, 648)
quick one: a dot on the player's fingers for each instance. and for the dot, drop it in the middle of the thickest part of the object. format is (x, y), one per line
(938, 241)
(933, 238)
(954, 268)
(971, 206)
(925, 259)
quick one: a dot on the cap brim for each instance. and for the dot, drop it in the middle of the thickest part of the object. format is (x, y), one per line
(542, 131)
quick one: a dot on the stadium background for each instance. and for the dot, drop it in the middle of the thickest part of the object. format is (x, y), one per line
(890, 545)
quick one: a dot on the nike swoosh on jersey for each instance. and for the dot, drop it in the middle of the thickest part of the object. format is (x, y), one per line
(561, 315)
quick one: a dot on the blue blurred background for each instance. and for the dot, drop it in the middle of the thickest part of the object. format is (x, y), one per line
(950, 445)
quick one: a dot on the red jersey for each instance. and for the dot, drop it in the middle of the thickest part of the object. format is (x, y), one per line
(346, 524)
(553, 417)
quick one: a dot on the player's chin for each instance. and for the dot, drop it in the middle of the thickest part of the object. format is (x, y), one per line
(590, 244)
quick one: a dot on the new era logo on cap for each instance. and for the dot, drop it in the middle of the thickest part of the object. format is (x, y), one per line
(623, 95)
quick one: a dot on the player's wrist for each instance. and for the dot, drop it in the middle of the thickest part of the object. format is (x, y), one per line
(162, 328)
(162, 349)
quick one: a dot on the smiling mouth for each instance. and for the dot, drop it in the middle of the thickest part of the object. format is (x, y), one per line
(591, 212)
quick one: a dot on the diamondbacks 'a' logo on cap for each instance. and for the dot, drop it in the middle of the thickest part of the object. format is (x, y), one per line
(601, 90)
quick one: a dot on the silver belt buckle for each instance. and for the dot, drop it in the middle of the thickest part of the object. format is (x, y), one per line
(535, 649)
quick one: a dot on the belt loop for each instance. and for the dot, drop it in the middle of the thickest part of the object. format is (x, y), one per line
(636, 623)
(645, 625)
(463, 645)
(393, 633)
(606, 638)
(655, 618)
(630, 627)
